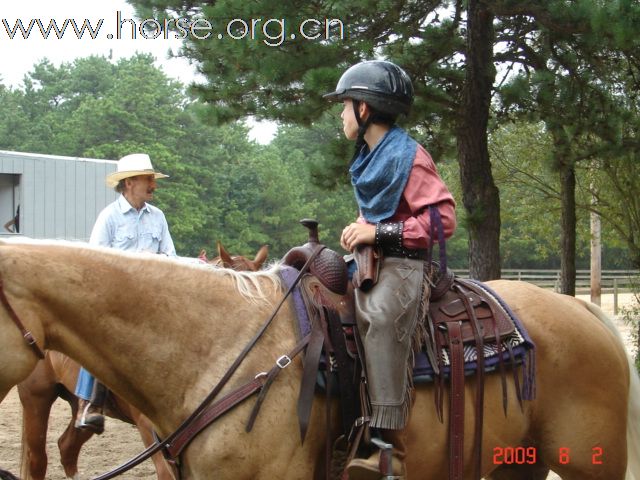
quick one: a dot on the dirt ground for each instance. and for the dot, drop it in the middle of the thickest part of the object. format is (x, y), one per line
(101, 453)
(121, 441)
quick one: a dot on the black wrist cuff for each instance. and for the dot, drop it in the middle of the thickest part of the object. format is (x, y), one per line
(389, 235)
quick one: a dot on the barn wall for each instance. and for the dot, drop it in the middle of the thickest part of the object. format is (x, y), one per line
(59, 197)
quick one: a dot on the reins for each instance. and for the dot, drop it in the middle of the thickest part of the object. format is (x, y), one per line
(249, 388)
(26, 334)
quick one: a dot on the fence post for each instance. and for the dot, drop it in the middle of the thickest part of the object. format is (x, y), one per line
(615, 296)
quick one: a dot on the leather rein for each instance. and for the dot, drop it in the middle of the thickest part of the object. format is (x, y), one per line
(26, 334)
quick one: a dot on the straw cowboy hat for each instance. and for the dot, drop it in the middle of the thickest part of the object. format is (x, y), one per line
(132, 166)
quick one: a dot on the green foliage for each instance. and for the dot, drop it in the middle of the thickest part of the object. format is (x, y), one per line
(92, 106)
(221, 187)
(329, 199)
(631, 316)
(529, 197)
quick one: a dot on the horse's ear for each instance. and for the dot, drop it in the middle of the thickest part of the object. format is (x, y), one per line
(227, 262)
(261, 256)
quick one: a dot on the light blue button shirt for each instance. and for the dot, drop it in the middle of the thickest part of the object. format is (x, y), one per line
(123, 227)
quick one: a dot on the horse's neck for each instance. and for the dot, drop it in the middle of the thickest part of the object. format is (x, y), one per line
(156, 333)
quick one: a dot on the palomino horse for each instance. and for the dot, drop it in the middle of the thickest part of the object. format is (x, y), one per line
(162, 334)
(56, 376)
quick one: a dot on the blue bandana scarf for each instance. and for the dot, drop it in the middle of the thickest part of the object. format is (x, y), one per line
(379, 176)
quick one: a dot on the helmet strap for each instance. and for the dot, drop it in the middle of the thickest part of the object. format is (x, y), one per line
(362, 129)
(356, 111)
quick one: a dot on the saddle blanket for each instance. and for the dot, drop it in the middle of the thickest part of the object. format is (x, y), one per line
(516, 347)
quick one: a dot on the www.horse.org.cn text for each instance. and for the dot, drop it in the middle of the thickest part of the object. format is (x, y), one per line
(272, 32)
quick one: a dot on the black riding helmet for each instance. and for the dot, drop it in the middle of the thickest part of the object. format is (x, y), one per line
(383, 85)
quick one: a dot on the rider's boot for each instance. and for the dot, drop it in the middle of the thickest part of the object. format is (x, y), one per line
(90, 413)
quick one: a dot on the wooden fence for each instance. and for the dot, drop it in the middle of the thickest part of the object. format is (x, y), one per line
(611, 281)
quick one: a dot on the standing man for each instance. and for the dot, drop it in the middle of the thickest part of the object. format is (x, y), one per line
(399, 194)
(131, 224)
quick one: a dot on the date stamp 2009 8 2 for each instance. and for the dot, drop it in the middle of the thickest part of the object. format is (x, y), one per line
(529, 455)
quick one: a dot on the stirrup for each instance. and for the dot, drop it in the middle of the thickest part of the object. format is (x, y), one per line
(386, 458)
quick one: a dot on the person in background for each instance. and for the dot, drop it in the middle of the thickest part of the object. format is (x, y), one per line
(129, 224)
(399, 194)
(13, 225)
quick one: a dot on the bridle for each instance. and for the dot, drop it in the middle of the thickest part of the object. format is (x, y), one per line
(26, 334)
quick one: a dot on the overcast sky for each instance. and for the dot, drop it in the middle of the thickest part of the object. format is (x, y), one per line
(18, 55)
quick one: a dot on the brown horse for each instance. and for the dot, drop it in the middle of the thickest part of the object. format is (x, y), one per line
(55, 377)
(163, 333)
(236, 262)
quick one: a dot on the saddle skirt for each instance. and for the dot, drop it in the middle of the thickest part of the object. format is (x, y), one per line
(514, 346)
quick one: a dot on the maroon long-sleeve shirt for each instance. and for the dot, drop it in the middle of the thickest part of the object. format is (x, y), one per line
(424, 188)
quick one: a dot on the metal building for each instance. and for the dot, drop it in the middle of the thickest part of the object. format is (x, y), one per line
(52, 197)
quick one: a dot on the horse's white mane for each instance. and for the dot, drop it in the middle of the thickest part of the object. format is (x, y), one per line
(248, 284)
(20, 240)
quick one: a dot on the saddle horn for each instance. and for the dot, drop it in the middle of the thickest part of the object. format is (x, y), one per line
(328, 266)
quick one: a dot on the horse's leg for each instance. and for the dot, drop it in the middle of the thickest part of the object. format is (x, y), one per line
(585, 439)
(65, 372)
(36, 406)
(145, 428)
(72, 440)
(579, 417)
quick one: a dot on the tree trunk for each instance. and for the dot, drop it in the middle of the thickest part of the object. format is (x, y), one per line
(596, 257)
(480, 194)
(568, 234)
